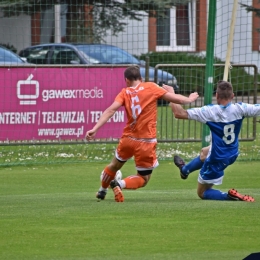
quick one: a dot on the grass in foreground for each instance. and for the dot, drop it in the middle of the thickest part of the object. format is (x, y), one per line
(51, 213)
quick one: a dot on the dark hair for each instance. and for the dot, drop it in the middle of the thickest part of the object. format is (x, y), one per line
(133, 73)
(224, 90)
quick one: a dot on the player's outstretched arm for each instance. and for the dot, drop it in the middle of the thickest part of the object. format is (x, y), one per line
(168, 88)
(107, 114)
(177, 98)
(178, 111)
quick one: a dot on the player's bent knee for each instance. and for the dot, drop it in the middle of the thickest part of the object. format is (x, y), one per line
(145, 183)
(145, 175)
(146, 180)
(200, 194)
(115, 164)
(203, 153)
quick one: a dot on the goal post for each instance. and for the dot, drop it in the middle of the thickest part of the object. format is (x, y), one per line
(209, 65)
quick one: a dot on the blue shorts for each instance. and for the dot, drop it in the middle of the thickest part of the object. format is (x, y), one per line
(212, 172)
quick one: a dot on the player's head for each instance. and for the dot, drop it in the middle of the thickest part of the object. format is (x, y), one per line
(133, 73)
(224, 90)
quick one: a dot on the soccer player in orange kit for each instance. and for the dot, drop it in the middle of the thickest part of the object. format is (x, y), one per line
(139, 135)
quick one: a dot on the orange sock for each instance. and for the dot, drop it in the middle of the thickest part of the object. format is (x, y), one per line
(108, 176)
(134, 182)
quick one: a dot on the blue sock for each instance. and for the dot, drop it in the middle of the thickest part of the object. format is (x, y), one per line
(192, 166)
(212, 194)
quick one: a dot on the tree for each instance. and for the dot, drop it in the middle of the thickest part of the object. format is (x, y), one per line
(109, 14)
(252, 9)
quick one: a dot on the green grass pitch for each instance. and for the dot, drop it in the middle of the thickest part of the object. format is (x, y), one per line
(50, 212)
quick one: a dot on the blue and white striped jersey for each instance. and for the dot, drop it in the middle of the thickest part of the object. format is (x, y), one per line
(225, 123)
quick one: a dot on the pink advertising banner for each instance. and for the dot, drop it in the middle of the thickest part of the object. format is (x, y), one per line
(58, 103)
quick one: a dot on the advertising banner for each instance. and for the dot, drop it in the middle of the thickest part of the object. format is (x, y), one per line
(58, 103)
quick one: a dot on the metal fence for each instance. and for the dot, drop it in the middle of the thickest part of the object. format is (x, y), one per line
(191, 78)
(174, 136)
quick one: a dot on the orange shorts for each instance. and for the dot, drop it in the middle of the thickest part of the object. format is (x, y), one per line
(144, 152)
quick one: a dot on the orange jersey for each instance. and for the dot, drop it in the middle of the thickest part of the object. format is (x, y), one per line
(140, 103)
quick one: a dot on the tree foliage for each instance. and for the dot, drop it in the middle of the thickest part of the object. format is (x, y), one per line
(128, 8)
(252, 9)
(108, 14)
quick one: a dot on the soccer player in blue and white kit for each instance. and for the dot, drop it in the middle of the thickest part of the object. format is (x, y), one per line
(224, 120)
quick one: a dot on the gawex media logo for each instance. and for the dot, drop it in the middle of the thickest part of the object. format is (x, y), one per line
(28, 91)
